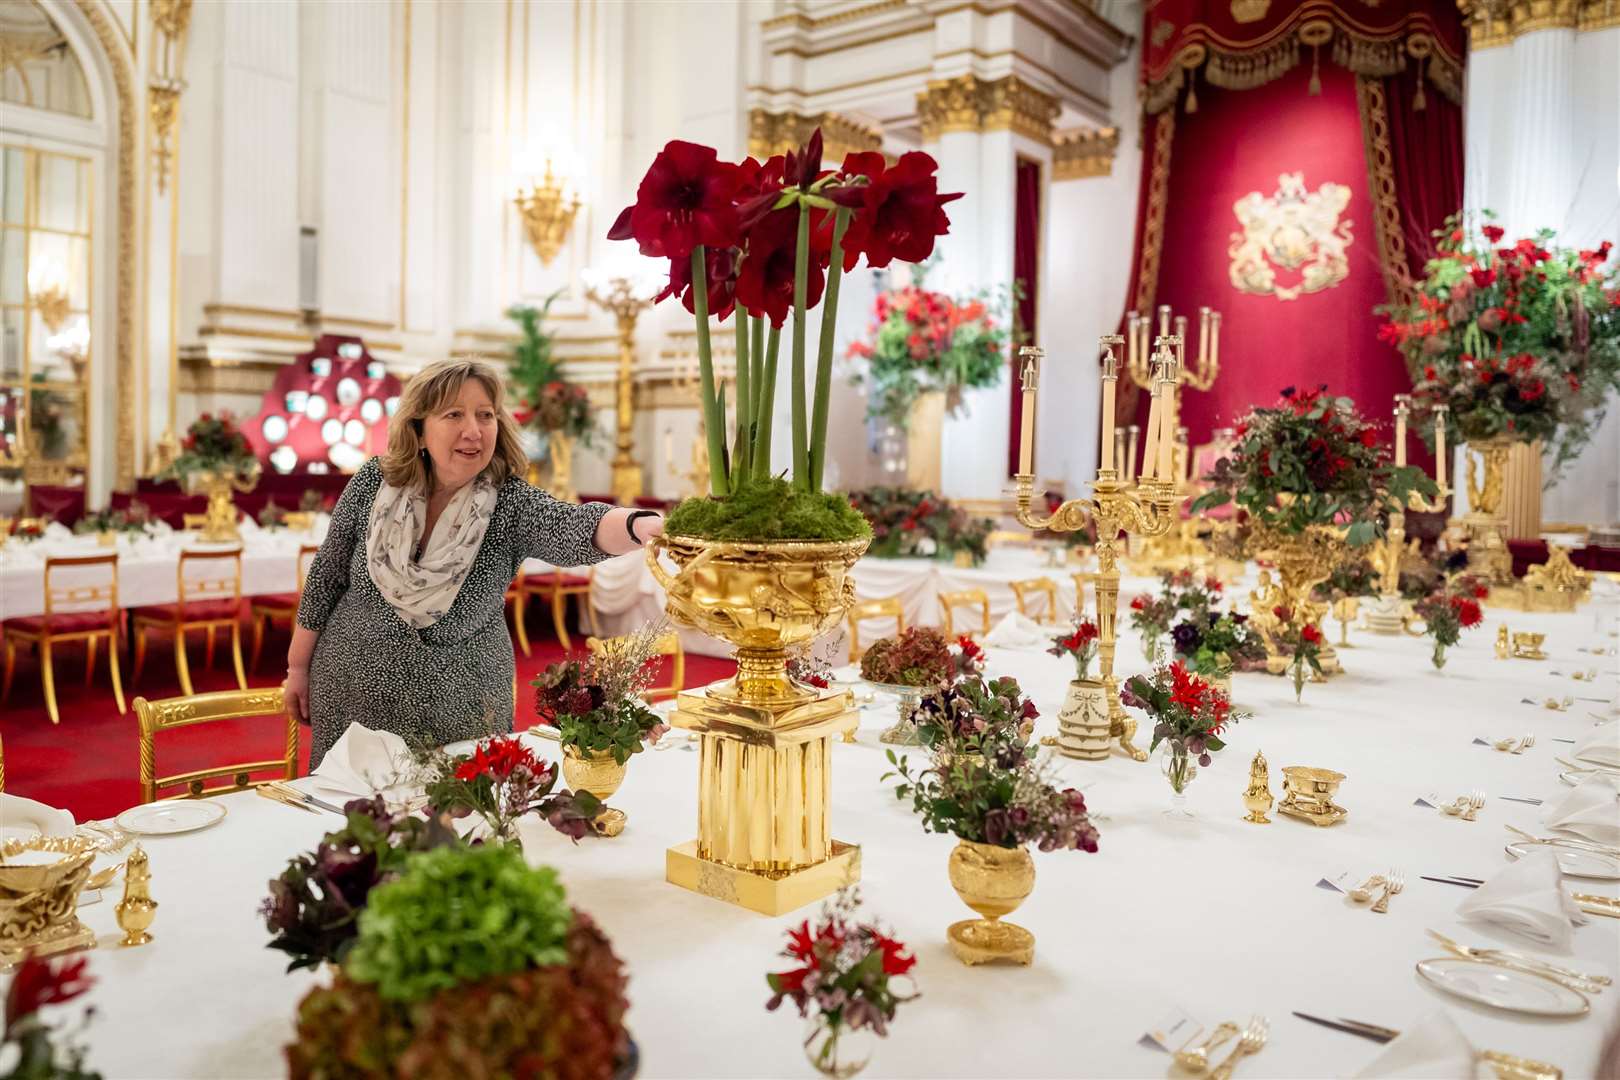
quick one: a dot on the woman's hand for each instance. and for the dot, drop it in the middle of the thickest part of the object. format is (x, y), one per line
(649, 527)
(296, 691)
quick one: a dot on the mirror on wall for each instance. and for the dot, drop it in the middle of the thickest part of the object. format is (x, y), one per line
(40, 70)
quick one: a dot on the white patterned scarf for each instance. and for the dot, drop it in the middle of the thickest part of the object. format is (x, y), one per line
(422, 590)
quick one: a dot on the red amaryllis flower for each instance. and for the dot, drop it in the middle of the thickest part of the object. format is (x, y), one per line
(759, 185)
(1311, 634)
(41, 982)
(1138, 603)
(895, 960)
(1482, 276)
(722, 281)
(684, 200)
(499, 759)
(765, 282)
(901, 213)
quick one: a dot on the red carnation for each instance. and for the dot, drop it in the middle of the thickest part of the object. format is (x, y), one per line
(901, 214)
(1492, 233)
(1482, 277)
(1468, 613)
(1311, 634)
(765, 282)
(1139, 603)
(684, 200)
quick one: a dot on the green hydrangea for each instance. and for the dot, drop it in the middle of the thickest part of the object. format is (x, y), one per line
(458, 916)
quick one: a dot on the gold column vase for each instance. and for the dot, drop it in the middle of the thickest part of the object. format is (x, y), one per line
(992, 881)
(1488, 554)
(764, 840)
(598, 775)
(219, 526)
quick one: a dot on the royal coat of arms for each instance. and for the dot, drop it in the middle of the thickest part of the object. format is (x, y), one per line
(1294, 231)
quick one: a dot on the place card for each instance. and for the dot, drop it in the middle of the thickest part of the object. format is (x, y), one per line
(1430, 801)
(1481, 742)
(1342, 881)
(1170, 1034)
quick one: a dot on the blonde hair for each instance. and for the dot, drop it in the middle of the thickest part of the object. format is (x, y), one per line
(431, 391)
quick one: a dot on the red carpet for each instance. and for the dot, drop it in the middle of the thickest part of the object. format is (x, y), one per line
(89, 764)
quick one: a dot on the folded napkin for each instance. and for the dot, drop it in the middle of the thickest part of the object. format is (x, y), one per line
(1602, 746)
(1589, 810)
(1528, 898)
(1019, 631)
(57, 531)
(1434, 1047)
(22, 819)
(364, 762)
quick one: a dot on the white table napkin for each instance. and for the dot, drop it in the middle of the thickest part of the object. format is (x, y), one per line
(1602, 746)
(1434, 1047)
(1528, 898)
(1590, 810)
(365, 762)
(1019, 631)
(22, 819)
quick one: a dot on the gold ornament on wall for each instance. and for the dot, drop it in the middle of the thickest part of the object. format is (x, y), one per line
(969, 103)
(1292, 230)
(548, 211)
(771, 133)
(170, 21)
(1078, 155)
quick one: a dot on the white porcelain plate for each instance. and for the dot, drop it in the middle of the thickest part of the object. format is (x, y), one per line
(1502, 987)
(168, 818)
(1574, 861)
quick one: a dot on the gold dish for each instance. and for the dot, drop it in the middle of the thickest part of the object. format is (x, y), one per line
(1308, 794)
(1527, 645)
(39, 901)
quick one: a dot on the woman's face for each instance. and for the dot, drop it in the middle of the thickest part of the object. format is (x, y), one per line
(460, 439)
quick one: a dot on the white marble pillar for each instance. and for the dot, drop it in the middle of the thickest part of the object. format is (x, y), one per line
(1542, 154)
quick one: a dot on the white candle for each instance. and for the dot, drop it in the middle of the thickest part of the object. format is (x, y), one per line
(1400, 430)
(1181, 342)
(1026, 429)
(1110, 377)
(1440, 447)
(1183, 455)
(1203, 341)
(1130, 453)
(1164, 320)
(1150, 448)
(1143, 331)
(1167, 432)
(1131, 355)
(1214, 340)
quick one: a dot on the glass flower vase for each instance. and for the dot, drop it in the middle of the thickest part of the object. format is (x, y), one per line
(1297, 670)
(835, 1049)
(1179, 769)
(1150, 649)
(1439, 655)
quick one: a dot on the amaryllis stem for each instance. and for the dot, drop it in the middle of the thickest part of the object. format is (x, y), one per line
(801, 286)
(829, 328)
(745, 399)
(767, 411)
(758, 351)
(714, 429)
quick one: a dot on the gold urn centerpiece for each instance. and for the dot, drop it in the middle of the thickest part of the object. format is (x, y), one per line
(40, 882)
(993, 881)
(216, 460)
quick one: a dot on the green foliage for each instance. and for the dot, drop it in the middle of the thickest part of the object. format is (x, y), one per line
(908, 523)
(531, 366)
(458, 916)
(770, 509)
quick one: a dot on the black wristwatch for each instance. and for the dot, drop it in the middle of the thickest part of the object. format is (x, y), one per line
(630, 523)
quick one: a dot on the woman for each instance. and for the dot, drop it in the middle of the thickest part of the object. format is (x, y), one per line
(402, 626)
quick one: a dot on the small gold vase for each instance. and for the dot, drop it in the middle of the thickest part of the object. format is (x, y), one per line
(561, 453)
(598, 775)
(992, 881)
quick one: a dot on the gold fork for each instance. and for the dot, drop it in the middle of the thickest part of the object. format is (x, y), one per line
(1524, 744)
(1476, 802)
(1196, 1060)
(1253, 1040)
(1396, 883)
(1363, 892)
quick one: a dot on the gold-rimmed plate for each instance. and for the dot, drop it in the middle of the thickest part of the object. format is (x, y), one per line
(171, 818)
(1574, 861)
(1509, 989)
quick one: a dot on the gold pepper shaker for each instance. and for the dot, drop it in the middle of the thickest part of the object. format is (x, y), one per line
(137, 909)
(1258, 795)
(1502, 642)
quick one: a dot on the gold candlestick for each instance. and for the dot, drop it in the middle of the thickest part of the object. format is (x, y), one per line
(1148, 509)
(1389, 616)
(137, 909)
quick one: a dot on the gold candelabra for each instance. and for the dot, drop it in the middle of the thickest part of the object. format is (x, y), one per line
(1149, 508)
(624, 296)
(1200, 377)
(1388, 615)
(548, 211)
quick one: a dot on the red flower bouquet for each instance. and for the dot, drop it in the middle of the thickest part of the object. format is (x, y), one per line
(909, 523)
(213, 443)
(1448, 611)
(844, 976)
(1081, 644)
(1518, 339)
(25, 1038)
(1303, 640)
(501, 781)
(1189, 715)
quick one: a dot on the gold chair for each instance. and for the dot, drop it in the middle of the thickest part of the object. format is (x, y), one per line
(887, 608)
(948, 601)
(264, 611)
(205, 602)
(1041, 586)
(85, 609)
(176, 712)
(515, 597)
(557, 586)
(668, 644)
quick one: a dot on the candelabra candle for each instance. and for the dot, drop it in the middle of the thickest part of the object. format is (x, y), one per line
(1400, 429)
(1183, 455)
(1110, 379)
(1031, 356)
(1203, 338)
(1164, 320)
(1181, 342)
(1135, 432)
(1132, 339)
(1440, 455)
(1150, 448)
(1167, 421)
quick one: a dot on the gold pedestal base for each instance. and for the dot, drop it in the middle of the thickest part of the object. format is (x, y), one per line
(990, 941)
(767, 893)
(1313, 813)
(609, 822)
(63, 937)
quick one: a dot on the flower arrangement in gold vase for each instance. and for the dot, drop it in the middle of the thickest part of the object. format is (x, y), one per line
(216, 459)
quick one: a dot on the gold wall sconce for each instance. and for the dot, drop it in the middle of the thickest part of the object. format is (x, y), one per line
(547, 208)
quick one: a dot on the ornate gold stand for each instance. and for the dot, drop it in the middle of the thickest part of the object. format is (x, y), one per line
(1488, 554)
(560, 450)
(1147, 510)
(764, 840)
(219, 526)
(39, 902)
(1303, 561)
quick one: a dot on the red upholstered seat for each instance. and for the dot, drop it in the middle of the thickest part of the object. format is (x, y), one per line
(547, 581)
(63, 622)
(278, 600)
(196, 611)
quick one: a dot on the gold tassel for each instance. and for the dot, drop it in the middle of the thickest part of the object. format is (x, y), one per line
(1419, 103)
(1316, 74)
(1192, 91)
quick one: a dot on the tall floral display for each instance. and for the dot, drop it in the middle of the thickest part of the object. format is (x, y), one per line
(1517, 343)
(545, 401)
(764, 561)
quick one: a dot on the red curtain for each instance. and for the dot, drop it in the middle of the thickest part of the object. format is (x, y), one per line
(1026, 271)
(1426, 146)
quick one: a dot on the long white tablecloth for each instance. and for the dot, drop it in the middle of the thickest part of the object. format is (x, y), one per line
(1221, 919)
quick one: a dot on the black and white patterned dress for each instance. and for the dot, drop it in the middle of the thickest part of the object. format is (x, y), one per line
(451, 680)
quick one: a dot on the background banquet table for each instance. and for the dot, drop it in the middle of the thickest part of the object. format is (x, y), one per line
(1220, 919)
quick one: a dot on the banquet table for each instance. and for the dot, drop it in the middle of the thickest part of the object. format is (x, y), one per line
(1219, 919)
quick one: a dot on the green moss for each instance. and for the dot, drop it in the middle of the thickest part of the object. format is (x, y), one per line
(769, 510)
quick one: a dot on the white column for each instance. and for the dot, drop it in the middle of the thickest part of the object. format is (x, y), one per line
(1541, 173)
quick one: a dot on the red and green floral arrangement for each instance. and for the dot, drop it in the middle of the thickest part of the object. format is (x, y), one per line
(920, 524)
(1312, 459)
(845, 973)
(763, 240)
(1187, 711)
(925, 341)
(469, 963)
(1080, 644)
(1303, 642)
(214, 443)
(973, 716)
(32, 1046)
(920, 656)
(1519, 339)
(501, 781)
(988, 801)
(1450, 610)
(542, 397)
(29, 529)
(133, 519)
(596, 705)
(1215, 644)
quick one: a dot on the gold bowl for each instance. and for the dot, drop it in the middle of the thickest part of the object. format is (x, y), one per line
(39, 901)
(1308, 793)
(598, 775)
(1527, 645)
(993, 881)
